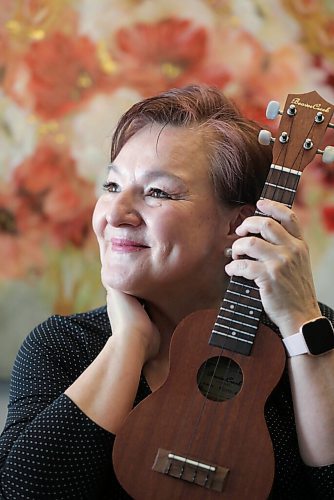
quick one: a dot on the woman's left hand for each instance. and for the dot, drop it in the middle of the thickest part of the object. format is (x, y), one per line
(281, 266)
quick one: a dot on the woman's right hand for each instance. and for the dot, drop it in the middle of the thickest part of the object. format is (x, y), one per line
(130, 323)
(106, 390)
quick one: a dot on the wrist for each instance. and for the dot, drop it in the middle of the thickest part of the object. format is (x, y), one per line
(127, 348)
(293, 324)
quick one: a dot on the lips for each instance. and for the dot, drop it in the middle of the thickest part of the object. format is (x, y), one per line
(126, 245)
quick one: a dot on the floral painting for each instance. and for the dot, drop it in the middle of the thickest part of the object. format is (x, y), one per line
(70, 68)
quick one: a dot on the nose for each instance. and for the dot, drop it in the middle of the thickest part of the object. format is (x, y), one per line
(123, 211)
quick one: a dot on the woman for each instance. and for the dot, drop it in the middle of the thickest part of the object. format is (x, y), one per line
(186, 171)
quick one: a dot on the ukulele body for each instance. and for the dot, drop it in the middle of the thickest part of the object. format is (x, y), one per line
(229, 436)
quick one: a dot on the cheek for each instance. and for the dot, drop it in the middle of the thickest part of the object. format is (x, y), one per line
(166, 226)
(99, 218)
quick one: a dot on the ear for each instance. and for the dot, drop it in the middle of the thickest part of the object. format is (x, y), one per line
(240, 214)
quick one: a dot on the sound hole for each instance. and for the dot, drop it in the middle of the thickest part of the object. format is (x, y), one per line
(219, 378)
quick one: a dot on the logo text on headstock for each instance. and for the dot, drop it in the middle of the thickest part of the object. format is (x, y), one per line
(298, 102)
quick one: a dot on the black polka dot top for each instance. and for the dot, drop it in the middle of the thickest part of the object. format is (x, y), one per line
(50, 449)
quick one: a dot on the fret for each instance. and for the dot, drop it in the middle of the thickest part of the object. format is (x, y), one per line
(238, 283)
(282, 196)
(241, 305)
(232, 337)
(242, 295)
(233, 331)
(234, 312)
(231, 343)
(244, 305)
(236, 333)
(283, 177)
(277, 186)
(236, 321)
(285, 169)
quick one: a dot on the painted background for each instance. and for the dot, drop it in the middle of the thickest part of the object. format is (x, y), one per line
(68, 69)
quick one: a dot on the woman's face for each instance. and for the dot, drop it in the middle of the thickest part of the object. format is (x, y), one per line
(159, 225)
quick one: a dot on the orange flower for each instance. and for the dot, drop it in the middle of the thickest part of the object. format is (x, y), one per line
(169, 53)
(69, 207)
(41, 171)
(64, 73)
(62, 201)
(328, 217)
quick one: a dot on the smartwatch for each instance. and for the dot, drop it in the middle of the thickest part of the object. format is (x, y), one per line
(314, 337)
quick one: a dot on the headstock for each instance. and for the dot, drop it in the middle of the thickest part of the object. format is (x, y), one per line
(304, 121)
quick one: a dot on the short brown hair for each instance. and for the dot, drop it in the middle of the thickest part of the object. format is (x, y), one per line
(239, 164)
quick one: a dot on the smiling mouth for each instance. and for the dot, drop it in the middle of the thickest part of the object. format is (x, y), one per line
(125, 246)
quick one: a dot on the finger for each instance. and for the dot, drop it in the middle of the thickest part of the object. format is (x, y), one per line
(255, 248)
(248, 269)
(269, 229)
(282, 214)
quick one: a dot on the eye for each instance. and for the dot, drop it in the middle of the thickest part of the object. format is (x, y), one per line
(158, 193)
(111, 187)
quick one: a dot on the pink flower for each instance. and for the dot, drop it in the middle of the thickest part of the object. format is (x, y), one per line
(169, 53)
(64, 72)
(62, 201)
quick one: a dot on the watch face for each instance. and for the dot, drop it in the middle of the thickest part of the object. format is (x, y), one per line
(319, 336)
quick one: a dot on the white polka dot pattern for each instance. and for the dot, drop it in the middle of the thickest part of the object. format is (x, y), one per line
(49, 449)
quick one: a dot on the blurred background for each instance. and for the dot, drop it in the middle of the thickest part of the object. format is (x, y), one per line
(70, 68)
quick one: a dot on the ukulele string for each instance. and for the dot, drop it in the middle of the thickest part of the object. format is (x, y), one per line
(277, 189)
(214, 377)
(224, 378)
(300, 154)
(191, 440)
(296, 178)
(189, 412)
(227, 369)
(222, 387)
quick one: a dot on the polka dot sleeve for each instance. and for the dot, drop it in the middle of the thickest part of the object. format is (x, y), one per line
(49, 448)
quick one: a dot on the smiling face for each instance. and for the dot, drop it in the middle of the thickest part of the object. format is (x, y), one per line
(160, 228)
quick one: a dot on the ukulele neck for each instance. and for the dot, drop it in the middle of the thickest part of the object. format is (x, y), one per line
(238, 319)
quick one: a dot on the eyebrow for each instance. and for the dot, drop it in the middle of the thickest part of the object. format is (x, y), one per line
(150, 174)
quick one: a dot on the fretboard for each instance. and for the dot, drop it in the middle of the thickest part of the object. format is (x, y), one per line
(238, 319)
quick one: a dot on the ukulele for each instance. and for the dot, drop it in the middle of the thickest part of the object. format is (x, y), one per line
(202, 434)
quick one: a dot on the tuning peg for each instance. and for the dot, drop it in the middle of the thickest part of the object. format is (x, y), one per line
(327, 154)
(273, 110)
(319, 118)
(265, 137)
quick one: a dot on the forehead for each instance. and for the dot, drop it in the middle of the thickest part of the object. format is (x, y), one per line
(178, 149)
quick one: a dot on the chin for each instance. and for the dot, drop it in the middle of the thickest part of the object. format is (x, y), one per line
(126, 284)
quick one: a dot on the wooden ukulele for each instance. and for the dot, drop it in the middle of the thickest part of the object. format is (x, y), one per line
(202, 434)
